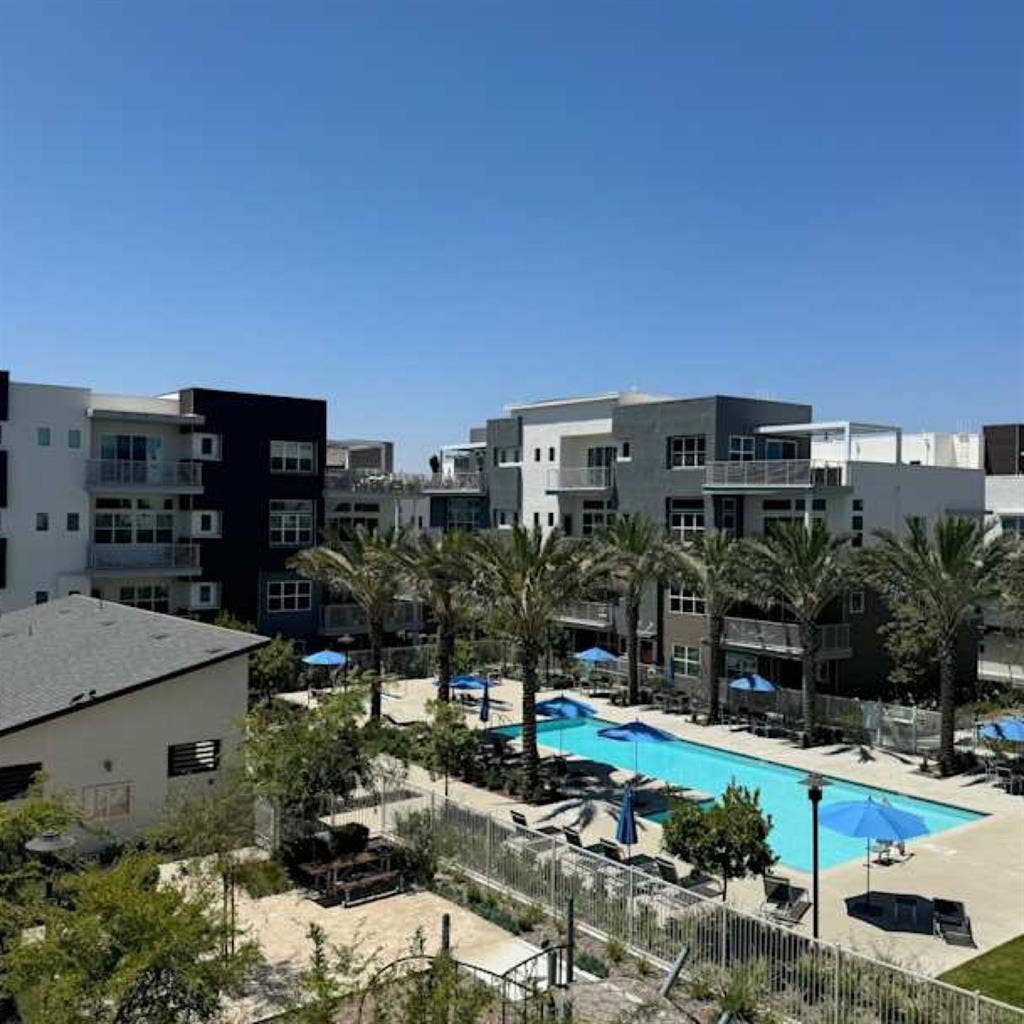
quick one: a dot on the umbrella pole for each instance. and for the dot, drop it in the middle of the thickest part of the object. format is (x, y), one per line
(869, 872)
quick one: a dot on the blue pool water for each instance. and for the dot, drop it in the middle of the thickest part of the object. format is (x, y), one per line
(700, 767)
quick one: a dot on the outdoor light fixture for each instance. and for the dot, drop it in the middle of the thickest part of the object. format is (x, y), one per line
(815, 784)
(46, 846)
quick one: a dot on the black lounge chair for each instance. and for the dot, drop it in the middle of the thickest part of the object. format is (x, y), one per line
(667, 870)
(783, 900)
(610, 850)
(952, 923)
(572, 837)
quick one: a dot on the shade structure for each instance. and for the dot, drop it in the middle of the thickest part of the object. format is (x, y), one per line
(636, 732)
(326, 659)
(752, 683)
(869, 820)
(564, 708)
(625, 831)
(485, 705)
(1006, 730)
(596, 656)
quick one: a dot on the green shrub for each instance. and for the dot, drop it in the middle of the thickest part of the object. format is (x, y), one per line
(261, 878)
(616, 950)
(592, 965)
(530, 917)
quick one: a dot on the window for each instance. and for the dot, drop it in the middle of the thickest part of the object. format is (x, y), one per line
(204, 595)
(601, 455)
(779, 449)
(536, 519)
(1012, 525)
(206, 523)
(686, 660)
(686, 518)
(857, 602)
(292, 456)
(43, 437)
(42, 522)
(107, 801)
(16, 779)
(72, 522)
(857, 522)
(508, 456)
(153, 597)
(596, 516)
(685, 602)
(289, 596)
(74, 439)
(536, 455)
(137, 523)
(567, 524)
(739, 663)
(727, 516)
(42, 596)
(291, 523)
(192, 758)
(819, 505)
(551, 455)
(857, 540)
(625, 451)
(686, 451)
(858, 504)
(551, 519)
(131, 448)
(741, 448)
(206, 447)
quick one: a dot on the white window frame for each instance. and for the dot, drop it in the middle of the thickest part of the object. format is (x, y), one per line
(152, 597)
(291, 522)
(289, 596)
(215, 522)
(687, 451)
(686, 523)
(685, 602)
(856, 602)
(133, 526)
(293, 457)
(741, 447)
(510, 456)
(686, 660)
(198, 441)
(106, 801)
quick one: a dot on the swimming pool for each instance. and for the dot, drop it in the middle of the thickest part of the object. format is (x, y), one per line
(701, 767)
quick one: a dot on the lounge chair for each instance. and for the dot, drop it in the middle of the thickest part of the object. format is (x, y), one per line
(667, 870)
(783, 900)
(572, 837)
(952, 923)
(610, 850)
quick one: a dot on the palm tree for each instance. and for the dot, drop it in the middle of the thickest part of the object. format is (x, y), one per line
(804, 570)
(636, 552)
(439, 571)
(712, 565)
(526, 578)
(946, 575)
(365, 565)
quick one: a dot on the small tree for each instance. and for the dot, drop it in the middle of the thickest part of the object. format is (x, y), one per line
(128, 951)
(730, 840)
(334, 975)
(449, 741)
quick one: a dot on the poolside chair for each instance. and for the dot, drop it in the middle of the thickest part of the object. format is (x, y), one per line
(782, 899)
(610, 850)
(572, 837)
(952, 923)
(667, 871)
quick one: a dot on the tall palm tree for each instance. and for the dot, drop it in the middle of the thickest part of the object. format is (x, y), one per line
(712, 565)
(526, 577)
(366, 566)
(804, 570)
(439, 570)
(637, 555)
(946, 574)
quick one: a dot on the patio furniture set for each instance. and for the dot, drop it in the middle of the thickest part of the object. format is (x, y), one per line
(356, 876)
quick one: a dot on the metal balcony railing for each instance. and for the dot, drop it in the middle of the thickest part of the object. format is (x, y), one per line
(144, 556)
(123, 473)
(591, 613)
(774, 473)
(580, 478)
(784, 637)
(457, 483)
(349, 618)
(373, 481)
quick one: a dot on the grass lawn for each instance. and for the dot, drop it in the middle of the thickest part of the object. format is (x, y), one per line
(996, 973)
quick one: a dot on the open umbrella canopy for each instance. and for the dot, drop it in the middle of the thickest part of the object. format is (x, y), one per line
(565, 707)
(328, 659)
(752, 683)
(596, 656)
(636, 732)
(1009, 730)
(871, 820)
(467, 683)
(625, 832)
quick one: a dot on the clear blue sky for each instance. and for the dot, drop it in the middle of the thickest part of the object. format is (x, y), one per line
(422, 212)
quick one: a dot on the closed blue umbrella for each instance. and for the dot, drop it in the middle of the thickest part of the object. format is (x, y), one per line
(625, 831)
(636, 733)
(485, 705)
(1008, 730)
(596, 656)
(870, 820)
(564, 708)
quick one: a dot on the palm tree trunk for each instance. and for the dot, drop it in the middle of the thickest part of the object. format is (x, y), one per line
(633, 650)
(376, 666)
(445, 656)
(947, 704)
(714, 667)
(528, 656)
(809, 644)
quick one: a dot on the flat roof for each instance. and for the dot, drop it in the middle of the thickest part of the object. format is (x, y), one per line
(61, 656)
(830, 427)
(625, 397)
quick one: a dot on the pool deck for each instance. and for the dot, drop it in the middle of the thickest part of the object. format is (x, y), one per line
(980, 863)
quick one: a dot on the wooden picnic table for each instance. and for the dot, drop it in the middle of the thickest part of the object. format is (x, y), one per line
(356, 876)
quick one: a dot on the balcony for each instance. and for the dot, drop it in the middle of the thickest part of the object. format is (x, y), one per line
(127, 475)
(337, 619)
(579, 478)
(144, 559)
(783, 638)
(773, 474)
(372, 481)
(456, 483)
(590, 614)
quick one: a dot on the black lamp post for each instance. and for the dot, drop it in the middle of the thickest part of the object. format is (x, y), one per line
(48, 846)
(815, 783)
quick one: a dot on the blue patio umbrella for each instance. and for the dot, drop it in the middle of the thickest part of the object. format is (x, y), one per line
(485, 705)
(625, 831)
(564, 708)
(752, 683)
(466, 683)
(636, 733)
(596, 656)
(1008, 730)
(869, 820)
(327, 659)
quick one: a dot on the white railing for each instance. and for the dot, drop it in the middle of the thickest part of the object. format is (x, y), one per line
(343, 618)
(143, 556)
(126, 473)
(803, 978)
(597, 612)
(774, 473)
(373, 481)
(762, 635)
(580, 478)
(460, 483)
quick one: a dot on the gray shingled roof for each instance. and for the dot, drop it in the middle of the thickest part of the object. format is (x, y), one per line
(52, 652)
